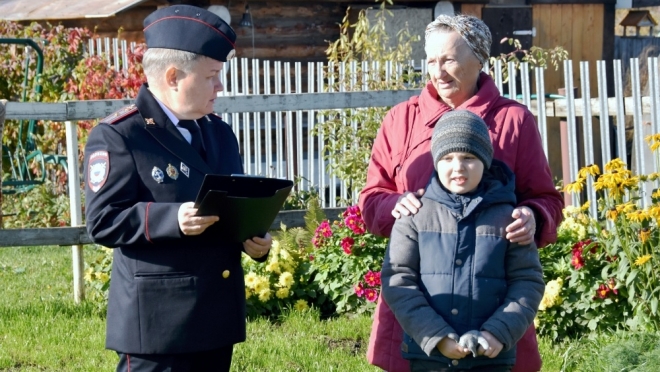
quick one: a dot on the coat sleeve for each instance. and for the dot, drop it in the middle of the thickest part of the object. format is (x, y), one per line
(525, 288)
(400, 289)
(380, 193)
(115, 214)
(534, 186)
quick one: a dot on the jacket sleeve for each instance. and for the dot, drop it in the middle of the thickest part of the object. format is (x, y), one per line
(115, 215)
(380, 193)
(534, 186)
(525, 288)
(400, 289)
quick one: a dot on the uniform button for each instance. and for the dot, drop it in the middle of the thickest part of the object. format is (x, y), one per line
(225, 274)
(454, 362)
(459, 262)
(454, 311)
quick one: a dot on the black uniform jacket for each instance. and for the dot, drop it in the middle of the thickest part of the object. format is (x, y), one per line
(169, 293)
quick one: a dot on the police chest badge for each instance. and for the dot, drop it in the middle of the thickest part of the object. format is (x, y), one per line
(172, 172)
(97, 170)
(157, 175)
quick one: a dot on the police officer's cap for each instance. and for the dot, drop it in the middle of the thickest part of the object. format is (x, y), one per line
(191, 29)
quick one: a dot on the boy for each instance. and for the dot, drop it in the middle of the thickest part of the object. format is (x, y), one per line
(449, 270)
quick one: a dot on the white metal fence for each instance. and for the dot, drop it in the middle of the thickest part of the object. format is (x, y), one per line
(273, 107)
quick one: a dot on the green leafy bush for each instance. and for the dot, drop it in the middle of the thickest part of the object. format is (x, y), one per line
(346, 262)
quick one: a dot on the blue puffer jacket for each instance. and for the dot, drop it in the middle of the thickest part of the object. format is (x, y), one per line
(450, 269)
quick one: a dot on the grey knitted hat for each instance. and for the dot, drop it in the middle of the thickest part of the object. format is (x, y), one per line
(461, 131)
(473, 30)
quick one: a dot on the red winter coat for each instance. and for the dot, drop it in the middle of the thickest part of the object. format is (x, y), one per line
(401, 161)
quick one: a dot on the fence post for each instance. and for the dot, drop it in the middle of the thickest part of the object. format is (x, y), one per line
(3, 102)
(75, 208)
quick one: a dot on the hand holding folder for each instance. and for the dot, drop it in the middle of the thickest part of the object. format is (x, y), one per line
(246, 205)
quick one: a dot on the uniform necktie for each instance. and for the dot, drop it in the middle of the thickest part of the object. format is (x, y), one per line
(196, 135)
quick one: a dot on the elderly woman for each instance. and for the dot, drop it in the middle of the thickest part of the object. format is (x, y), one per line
(401, 165)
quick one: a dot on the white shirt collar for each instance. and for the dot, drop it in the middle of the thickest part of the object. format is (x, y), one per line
(167, 111)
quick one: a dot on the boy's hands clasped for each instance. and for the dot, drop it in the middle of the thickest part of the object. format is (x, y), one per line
(475, 342)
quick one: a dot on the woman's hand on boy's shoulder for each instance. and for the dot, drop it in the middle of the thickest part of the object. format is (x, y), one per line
(451, 349)
(407, 204)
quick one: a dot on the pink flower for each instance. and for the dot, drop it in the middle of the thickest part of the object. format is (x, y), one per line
(347, 244)
(353, 210)
(311, 257)
(324, 229)
(355, 223)
(371, 295)
(372, 278)
(359, 290)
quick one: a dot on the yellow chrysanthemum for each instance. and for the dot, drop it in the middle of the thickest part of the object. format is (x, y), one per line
(611, 214)
(630, 183)
(248, 293)
(656, 194)
(654, 211)
(553, 288)
(591, 170)
(653, 176)
(274, 267)
(104, 277)
(89, 274)
(286, 279)
(301, 305)
(264, 294)
(575, 187)
(638, 216)
(653, 141)
(276, 245)
(537, 322)
(251, 280)
(615, 164)
(261, 284)
(282, 293)
(585, 206)
(626, 207)
(642, 259)
(285, 255)
(570, 211)
(644, 234)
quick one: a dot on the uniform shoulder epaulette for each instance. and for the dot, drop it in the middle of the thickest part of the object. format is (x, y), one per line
(119, 114)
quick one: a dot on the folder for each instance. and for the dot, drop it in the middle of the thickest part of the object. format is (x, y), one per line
(246, 205)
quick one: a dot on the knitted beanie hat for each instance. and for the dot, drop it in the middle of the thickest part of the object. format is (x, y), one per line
(461, 131)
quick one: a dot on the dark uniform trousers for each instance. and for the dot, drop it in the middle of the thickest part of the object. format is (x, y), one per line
(217, 360)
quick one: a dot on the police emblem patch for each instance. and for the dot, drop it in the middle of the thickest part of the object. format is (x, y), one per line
(185, 170)
(157, 175)
(172, 172)
(97, 170)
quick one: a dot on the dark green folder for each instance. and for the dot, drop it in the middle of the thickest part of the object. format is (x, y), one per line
(246, 205)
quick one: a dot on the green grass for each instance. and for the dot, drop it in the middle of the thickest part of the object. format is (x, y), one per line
(41, 329)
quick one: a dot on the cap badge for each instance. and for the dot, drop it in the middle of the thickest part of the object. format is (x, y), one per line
(149, 121)
(158, 175)
(185, 170)
(172, 172)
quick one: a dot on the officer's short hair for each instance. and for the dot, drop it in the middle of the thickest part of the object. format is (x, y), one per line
(156, 61)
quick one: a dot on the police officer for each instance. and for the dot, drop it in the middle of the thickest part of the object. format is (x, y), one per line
(177, 297)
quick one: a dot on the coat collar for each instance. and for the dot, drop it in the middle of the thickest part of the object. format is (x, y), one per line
(481, 103)
(165, 132)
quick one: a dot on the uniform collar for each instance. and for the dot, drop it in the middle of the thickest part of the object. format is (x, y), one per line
(158, 124)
